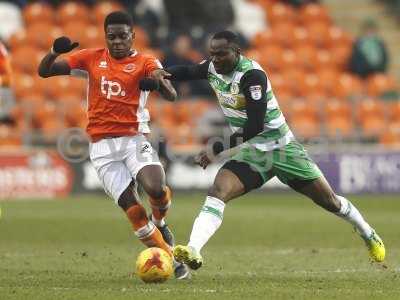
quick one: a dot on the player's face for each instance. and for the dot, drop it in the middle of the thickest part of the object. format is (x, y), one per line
(119, 38)
(223, 55)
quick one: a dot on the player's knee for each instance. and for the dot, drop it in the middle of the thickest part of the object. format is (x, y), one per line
(222, 192)
(156, 192)
(331, 203)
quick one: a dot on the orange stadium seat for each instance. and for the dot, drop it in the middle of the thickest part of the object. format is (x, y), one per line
(271, 57)
(340, 55)
(37, 12)
(102, 9)
(301, 108)
(336, 108)
(263, 38)
(72, 11)
(141, 38)
(284, 33)
(370, 109)
(391, 136)
(26, 59)
(348, 86)
(318, 33)
(310, 13)
(301, 36)
(26, 85)
(293, 77)
(92, 37)
(42, 34)
(279, 12)
(75, 30)
(58, 86)
(381, 85)
(306, 54)
(9, 136)
(290, 59)
(339, 126)
(373, 126)
(18, 39)
(393, 110)
(305, 127)
(337, 36)
(309, 84)
(324, 60)
(328, 79)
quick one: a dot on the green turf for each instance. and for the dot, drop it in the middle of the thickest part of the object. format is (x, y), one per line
(271, 246)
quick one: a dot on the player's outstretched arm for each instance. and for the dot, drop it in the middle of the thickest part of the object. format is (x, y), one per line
(165, 87)
(49, 66)
(188, 72)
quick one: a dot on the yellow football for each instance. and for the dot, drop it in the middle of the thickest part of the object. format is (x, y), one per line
(154, 265)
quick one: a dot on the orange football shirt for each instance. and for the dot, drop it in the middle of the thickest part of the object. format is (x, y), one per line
(116, 106)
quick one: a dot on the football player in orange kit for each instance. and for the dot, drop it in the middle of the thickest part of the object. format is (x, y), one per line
(118, 121)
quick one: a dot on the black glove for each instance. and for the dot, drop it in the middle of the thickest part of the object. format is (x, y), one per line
(63, 45)
(148, 84)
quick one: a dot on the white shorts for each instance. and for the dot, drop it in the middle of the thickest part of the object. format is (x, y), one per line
(118, 160)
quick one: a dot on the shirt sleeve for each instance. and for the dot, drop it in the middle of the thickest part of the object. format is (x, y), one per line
(189, 72)
(79, 59)
(151, 65)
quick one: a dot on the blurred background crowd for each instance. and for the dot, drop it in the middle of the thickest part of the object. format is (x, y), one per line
(330, 66)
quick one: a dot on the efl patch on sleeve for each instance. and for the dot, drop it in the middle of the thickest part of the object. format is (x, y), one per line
(255, 92)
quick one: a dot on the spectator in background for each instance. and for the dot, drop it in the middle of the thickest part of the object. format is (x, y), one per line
(182, 53)
(369, 54)
(6, 98)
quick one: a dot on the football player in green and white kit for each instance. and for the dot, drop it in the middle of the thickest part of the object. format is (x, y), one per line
(267, 148)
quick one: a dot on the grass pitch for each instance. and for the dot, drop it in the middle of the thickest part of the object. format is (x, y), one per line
(270, 246)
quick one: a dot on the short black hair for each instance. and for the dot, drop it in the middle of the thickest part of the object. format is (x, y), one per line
(118, 17)
(231, 37)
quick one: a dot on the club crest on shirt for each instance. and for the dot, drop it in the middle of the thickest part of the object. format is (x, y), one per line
(129, 68)
(235, 88)
(255, 92)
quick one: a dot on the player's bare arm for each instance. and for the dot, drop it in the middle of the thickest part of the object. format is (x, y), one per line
(49, 66)
(165, 87)
(254, 86)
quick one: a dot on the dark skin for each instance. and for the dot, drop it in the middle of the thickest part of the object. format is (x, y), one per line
(227, 185)
(119, 39)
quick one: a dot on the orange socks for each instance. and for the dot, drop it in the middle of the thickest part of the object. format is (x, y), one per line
(145, 230)
(160, 206)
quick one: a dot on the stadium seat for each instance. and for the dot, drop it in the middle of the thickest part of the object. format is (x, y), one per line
(370, 109)
(348, 86)
(92, 37)
(393, 109)
(328, 78)
(293, 77)
(305, 127)
(391, 136)
(42, 35)
(301, 108)
(306, 54)
(373, 126)
(308, 84)
(381, 85)
(339, 37)
(72, 11)
(37, 12)
(271, 57)
(313, 12)
(340, 55)
(336, 108)
(76, 30)
(18, 39)
(324, 60)
(263, 38)
(26, 59)
(301, 36)
(59, 86)
(318, 33)
(338, 126)
(290, 59)
(9, 136)
(102, 9)
(26, 85)
(280, 12)
(284, 33)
